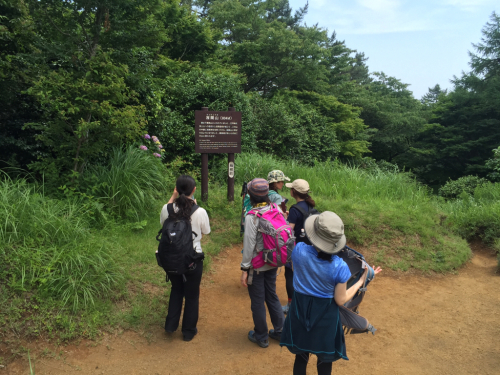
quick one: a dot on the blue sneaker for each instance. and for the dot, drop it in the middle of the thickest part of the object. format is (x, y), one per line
(262, 344)
(275, 335)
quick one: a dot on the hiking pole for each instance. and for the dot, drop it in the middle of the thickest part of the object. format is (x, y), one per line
(243, 195)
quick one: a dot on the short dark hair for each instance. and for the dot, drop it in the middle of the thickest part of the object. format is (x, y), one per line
(254, 199)
(325, 256)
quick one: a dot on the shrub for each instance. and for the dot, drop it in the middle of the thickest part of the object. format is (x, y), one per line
(477, 215)
(494, 165)
(129, 184)
(467, 184)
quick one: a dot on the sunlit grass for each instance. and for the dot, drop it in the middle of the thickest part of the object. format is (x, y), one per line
(398, 218)
(76, 279)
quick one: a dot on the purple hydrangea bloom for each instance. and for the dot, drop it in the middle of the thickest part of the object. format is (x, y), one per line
(160, 147)
(147, 136)
(155, 139)
(142, 147)
(157, 155)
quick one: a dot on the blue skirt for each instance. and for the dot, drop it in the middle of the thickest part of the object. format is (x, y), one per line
(313, 326)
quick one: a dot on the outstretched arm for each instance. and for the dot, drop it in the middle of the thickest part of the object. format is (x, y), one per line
(342, 295)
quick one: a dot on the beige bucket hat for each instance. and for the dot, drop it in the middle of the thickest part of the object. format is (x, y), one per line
(326, 232)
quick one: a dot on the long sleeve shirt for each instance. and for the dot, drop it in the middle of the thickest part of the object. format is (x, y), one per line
(252, 241)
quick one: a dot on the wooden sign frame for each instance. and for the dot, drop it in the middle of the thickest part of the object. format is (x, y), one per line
(217, 132)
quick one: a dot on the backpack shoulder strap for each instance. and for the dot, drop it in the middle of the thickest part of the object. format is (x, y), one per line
(301, 210)
(170, 209)
(194, 208)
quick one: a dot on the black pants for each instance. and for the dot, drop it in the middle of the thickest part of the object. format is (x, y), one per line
(188, 290)
(289, 282)
(300, 365)
(263, 290)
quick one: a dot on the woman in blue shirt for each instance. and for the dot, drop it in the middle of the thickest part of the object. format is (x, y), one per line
(313, 322)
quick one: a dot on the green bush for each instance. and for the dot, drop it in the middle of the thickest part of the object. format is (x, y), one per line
(494, 165)
(129, 184)
(477, 215)
(466, 184)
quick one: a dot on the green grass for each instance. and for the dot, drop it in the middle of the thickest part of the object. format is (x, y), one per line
(476, 215)
(146, 299)
(66, 275)
(391, 213)
(129, 184)
(110, 274)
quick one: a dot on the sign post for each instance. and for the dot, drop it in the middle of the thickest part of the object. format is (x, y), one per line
(230, 168)
(217, 132)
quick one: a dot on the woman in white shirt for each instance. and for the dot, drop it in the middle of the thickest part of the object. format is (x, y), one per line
(187, 286)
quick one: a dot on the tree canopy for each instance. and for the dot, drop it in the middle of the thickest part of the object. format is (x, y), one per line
(80, 77)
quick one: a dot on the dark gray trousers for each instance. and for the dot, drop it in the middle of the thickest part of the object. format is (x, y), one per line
(263, 290)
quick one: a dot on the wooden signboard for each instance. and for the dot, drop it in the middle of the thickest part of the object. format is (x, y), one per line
(217, 132)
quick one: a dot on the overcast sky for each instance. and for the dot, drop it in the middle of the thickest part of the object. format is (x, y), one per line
(422, 43)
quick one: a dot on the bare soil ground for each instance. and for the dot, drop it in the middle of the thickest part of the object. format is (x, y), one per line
(426, 325)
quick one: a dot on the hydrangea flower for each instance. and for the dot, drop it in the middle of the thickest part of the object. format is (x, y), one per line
(162, 150)
(155, 139)
(147, 136)
(142, 147)
(160, 147)
(157, 155)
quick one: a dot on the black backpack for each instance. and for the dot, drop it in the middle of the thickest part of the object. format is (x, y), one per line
(176, 253)
(305, 214)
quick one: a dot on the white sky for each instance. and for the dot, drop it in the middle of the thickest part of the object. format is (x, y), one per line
(422, 43)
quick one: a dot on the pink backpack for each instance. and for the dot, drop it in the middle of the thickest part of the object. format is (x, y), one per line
(277, 235)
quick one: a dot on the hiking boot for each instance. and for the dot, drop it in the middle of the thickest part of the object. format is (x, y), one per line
(286, 308)
(190, 337)
(275, 335)
(262, 344)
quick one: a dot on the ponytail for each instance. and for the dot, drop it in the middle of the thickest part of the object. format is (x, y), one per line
(185, 185)
(305, 197)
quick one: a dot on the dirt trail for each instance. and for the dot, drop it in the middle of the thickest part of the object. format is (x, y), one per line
(426, 325)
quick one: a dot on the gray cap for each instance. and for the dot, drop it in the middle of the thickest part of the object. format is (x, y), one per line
(326, 232)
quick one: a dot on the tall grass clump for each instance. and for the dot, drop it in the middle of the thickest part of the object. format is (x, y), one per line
(477, 214)
(129, 184)
(47, 247)
(30, 218)
(381, 209)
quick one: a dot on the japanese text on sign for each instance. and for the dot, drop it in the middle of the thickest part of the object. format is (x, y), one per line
(218, 132)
